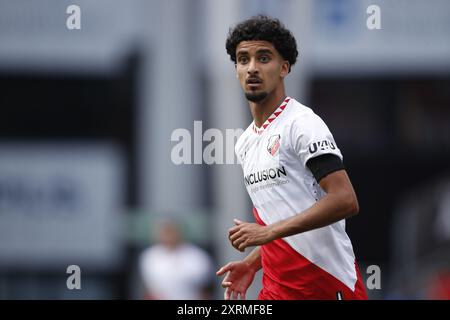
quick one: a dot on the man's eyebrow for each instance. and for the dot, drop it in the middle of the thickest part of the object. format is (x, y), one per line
(260, 51)
(264, 51)
(242, 51)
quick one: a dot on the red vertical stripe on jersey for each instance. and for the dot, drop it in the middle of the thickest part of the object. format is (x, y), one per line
(290, 276)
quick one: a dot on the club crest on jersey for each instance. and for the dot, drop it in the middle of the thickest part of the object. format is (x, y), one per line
(274, 144)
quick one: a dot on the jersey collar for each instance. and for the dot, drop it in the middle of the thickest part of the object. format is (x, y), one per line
(273, 116)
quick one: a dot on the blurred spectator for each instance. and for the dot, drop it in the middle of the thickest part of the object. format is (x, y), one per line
(173, 269)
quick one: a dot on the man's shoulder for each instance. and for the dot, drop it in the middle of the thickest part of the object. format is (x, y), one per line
(298, 111)
(195, 251)
(300, 115)
(151, 253)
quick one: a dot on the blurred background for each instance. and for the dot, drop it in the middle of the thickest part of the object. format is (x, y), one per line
(87, 117)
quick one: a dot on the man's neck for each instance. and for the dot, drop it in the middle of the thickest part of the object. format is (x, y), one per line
(262, 110)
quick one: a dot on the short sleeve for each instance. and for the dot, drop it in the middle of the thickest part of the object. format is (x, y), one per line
(311, 137)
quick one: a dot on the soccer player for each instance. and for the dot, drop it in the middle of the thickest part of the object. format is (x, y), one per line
(295, 177)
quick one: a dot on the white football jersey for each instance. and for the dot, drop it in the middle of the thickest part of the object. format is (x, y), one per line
(280, 185)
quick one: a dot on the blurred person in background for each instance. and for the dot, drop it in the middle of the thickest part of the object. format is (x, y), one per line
(295, 177)
(174, 269)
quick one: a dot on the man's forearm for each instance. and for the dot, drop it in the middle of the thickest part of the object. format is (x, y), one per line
(254, 259)
(326, 211)
(339, 203)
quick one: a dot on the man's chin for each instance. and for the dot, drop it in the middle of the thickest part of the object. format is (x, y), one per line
(255, 97)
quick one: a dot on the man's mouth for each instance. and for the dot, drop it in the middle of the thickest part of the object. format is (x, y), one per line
(254, 81)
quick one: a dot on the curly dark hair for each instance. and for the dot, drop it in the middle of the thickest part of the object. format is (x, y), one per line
(264, 28)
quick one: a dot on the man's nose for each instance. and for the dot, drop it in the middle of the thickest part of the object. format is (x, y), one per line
(252, 67)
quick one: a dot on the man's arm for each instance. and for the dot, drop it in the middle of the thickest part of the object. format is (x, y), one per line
(339, 203)
(252, 262)
(254, 259)
(240, 275)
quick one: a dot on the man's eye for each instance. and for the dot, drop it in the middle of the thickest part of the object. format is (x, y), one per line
(264, 59)
(243, 60)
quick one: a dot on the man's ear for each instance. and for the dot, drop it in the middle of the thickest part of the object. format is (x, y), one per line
(285, 68)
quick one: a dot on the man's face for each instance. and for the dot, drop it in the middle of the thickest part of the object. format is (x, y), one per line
(260, 68)
(169, 234)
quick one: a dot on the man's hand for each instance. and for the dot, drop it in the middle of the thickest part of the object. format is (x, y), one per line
(244, 235)
(239, 277)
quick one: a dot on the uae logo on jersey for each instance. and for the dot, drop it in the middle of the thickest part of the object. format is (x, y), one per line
(274, 144)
